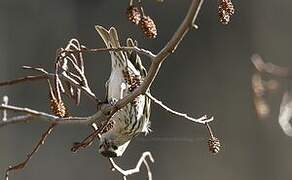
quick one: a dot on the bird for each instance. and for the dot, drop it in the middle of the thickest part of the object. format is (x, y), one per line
(127, 74)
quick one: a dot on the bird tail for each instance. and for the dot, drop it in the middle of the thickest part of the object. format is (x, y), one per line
(111, 40)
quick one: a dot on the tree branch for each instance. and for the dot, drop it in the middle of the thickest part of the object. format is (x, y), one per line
(142, 159)
(22, 79)
(201, 120)
(33, 114)
(123, 48)
(30, 155)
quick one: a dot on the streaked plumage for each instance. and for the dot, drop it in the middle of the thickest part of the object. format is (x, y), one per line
(127, 73)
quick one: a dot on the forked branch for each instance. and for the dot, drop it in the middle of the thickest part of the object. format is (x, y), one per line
(201, 120)
(129, 172)
(29, 156)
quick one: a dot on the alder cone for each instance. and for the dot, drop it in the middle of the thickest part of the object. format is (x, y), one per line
(134, 14)
(148, 27)
(214, 145)
(225, 11)
(58, 108)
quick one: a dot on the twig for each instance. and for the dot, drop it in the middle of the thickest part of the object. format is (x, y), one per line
(32, 114)
(72, 82)
(123, 48)
(142, 159)
(86, 142)
(16, 119)
(201, 120)
(210, 130)
(23, 79)
(30, 155)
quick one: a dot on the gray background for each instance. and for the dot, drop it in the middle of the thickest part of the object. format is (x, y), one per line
(208, 74)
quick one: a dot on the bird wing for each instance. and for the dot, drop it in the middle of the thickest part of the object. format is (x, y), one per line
(137, 63)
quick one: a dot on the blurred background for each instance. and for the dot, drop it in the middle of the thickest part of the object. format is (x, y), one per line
(210, 73)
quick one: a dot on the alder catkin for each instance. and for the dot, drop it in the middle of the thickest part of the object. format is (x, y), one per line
(214, 145)
(225, 11)
(134, 14)
(148, 27)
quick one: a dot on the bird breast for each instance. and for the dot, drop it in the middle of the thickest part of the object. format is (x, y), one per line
(117, 86)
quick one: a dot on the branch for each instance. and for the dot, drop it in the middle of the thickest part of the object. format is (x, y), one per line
(47, 75)
(33, 114)
(201, 120)
(16, 119)
(123, 48)
(27, 78)
(72, 82)
(30, 155)
(142, 159)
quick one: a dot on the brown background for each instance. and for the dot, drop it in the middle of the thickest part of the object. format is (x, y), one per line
(208, 74)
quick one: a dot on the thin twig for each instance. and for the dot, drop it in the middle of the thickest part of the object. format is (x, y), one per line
(210, 130)
(72, 82)
(16, 119)
(86, 142)
(201, 120)
(142, 159)
(23, 79)
(30, 155)
(32, 114)
(123, 48)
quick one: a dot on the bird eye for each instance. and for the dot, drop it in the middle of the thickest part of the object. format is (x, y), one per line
(114, 147)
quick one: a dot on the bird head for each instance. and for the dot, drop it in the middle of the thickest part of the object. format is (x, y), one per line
(113, 143)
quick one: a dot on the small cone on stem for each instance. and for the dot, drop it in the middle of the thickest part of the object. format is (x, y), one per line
(57, 106)
(214, 144)
(134, 15)
(225, 11)
(148, 27)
